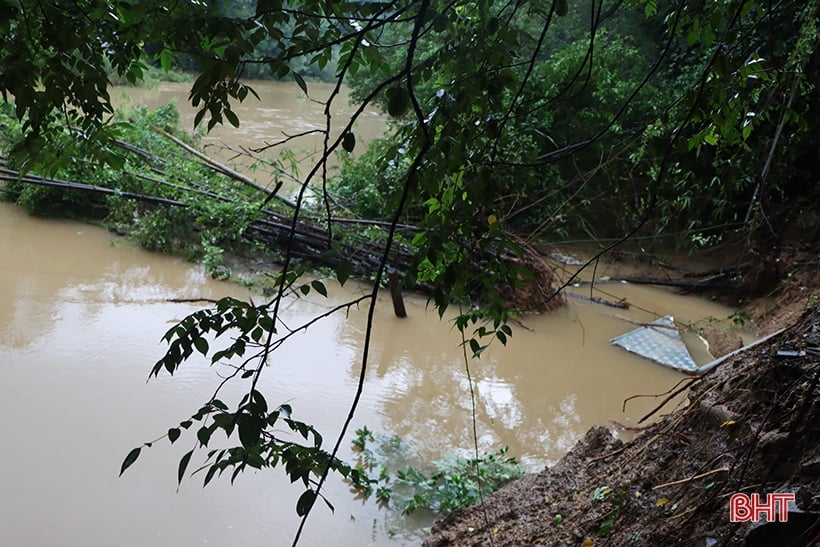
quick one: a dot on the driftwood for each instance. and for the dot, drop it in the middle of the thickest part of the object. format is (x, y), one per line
(702, 284)
(308, 239)
(620, 304)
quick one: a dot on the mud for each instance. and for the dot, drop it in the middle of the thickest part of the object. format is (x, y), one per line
(751, 425)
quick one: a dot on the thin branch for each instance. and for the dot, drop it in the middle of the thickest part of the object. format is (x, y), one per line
(692, 478)
(410, 181)
(224, 169)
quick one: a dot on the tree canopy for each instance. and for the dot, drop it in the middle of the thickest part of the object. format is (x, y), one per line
(510, 121)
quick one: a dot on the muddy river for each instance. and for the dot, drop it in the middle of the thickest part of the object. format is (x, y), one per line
(81, 316)
(283, 117)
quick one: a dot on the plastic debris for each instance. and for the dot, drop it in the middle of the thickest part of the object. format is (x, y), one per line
(661, 342)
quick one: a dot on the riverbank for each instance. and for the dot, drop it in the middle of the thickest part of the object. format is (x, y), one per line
(751, 425)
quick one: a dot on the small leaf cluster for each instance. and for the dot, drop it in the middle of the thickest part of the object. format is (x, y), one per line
(249, 323)
(454, 482)
(259, 447)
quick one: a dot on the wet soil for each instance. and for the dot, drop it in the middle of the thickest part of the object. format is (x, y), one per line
(751, 425)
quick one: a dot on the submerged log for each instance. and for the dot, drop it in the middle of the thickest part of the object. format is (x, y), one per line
(702, 284)
(395, 292)
(620, 304)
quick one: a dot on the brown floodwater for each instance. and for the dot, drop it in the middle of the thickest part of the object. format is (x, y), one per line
(81, 316)
(282, 111)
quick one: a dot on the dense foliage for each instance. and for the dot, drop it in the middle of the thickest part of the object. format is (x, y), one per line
(546, 116)
(718, 98)
(212, 213)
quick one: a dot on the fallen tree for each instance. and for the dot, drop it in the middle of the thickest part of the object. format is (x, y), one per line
(320, 241)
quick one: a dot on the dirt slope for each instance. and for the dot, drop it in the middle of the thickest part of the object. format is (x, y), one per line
(752, 425)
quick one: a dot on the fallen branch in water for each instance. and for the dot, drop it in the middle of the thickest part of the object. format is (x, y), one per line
(621, 304)
(703, 284)
(649, 325)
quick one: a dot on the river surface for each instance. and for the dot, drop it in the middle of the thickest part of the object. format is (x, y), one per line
(282, 111)
(81, 317)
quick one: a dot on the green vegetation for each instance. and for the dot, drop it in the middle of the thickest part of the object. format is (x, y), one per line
(667, 130)
(510, 121)
(217, 213)
(453, 482)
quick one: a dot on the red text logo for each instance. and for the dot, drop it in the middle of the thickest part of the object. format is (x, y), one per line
(745, 508)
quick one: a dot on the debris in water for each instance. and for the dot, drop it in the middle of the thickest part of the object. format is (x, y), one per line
(661, 342)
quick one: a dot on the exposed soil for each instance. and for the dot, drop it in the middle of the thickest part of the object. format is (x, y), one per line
(752, 425)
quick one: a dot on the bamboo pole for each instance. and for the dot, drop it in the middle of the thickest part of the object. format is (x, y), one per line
(9, 175)
(224, 169)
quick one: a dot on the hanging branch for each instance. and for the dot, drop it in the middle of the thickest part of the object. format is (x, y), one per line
(765, 171)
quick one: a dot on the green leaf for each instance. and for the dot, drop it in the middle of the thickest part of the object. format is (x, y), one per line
(250, 429)
(319, 287)
(198, 118)
(305, 502)
(258, 402)
(204, 435)
(183, 465)
(266, 323)
(165, 59)
(398, 101)
(223, 420)
(440, 23)
(561, 7)
(210, 474)
(343, 271)
(492, 25)
(349, 142)
(721, 64)
(232, 118)
(173, 434)
(130, 459)
(201, 345)
(300, 82)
